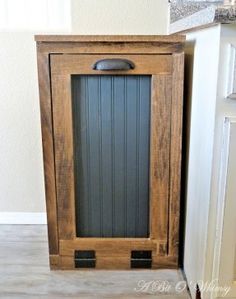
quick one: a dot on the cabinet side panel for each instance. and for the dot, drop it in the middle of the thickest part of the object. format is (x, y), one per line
(48, 149)
(175, 152)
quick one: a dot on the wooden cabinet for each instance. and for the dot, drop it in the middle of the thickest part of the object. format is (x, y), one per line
(111, 110)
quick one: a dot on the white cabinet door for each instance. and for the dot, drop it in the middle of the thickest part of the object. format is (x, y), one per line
(227, 264)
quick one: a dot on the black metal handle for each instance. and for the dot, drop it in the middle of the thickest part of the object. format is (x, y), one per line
(111, 64)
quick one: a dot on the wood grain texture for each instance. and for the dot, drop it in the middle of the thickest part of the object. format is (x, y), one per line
(110, 48)
(109, 44)
(118, 263)
(111, 38)
(165, 262)
(108, 262)
(159, 157)
(144, 64)
(176, 152)
(63, 136)
(54, 261)
(107, 246)
(66, 262)
(48, 149)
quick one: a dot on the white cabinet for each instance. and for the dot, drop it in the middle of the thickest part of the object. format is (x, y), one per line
(210, 234)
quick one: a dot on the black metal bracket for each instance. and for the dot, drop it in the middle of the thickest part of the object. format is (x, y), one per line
(141, 259)
(85, 259)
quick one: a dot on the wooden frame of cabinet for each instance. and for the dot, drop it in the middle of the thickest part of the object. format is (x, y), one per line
(159, 56)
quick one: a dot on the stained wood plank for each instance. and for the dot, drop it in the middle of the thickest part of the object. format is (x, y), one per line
(108, 48)
(174, 38)
(107, 246)
(63, 138)
(143, 165)
(160, 154)
(176, 152)
(144, 64)
(48, 149)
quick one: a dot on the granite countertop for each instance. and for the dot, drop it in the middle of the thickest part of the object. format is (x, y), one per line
(194, 14)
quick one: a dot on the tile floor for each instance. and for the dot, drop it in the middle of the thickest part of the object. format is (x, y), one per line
(24, 273)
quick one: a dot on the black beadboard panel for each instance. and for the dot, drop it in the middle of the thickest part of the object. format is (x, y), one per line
(111, 121)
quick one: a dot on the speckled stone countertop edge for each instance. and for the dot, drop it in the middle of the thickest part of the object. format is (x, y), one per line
(209, 16)
(225, 14)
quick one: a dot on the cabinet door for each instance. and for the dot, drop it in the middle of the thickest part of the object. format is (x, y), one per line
(114, 147)
(225, 248)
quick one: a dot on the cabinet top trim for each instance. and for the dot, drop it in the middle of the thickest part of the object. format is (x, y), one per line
(111, 38)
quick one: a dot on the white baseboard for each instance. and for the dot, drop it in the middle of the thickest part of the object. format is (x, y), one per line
(22, 218)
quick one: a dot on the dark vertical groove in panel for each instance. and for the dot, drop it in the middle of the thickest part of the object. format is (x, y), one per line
(88, 155)
(100, 158)
(119, 166)
(94, 154)
(145, 93)
(137, 156)
(148, 150)
(112, 159)
(131, 167)
(106, 151)
(125, 156)
(111, 119)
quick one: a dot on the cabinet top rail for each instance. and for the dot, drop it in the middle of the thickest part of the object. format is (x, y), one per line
(175, 38)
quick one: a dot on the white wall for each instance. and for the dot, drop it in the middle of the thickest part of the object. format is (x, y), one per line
(21, 173)
(22, 198)
(21, 166)
(32, 15)
(120, 17)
